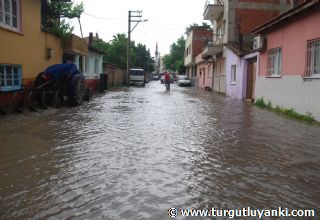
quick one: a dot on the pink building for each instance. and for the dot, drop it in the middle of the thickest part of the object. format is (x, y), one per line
(289, 64)
(204, 72)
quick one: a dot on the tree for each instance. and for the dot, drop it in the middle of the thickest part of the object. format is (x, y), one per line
(175, 60)
(55, 14)
(116, 52)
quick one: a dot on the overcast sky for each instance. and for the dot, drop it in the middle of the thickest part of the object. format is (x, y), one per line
(167, 20)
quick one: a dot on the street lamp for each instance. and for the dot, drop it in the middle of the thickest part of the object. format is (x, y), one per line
(137, 15)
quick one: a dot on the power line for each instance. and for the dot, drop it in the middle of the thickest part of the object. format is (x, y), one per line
(166, 27)
(106, 19)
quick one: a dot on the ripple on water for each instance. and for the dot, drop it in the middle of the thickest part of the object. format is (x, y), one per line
(132, 154)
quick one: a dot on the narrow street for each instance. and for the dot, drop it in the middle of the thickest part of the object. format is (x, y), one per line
(133, 153)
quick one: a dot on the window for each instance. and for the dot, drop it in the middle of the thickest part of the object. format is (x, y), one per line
(9, 14)
(10, 77)
(274, 62)
(96, 69)
(233, 73)
(313, 58)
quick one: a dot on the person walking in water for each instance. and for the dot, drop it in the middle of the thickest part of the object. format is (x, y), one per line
(167, 81)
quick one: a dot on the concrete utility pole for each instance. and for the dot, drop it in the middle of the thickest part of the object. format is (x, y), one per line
(137, 15)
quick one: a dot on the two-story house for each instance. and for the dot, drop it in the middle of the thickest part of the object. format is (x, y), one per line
(232, 38)
(25, 47)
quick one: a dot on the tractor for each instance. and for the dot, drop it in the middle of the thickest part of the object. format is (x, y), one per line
(60, 83)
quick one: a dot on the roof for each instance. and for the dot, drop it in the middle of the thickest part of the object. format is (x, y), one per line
(299, 9)
(91, 48)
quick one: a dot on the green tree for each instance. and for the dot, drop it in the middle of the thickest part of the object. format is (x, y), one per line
(175, 60)
(55, 15)
(116, 52)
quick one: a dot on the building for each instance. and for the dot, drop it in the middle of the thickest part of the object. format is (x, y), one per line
(194, 45)
(26, 48)
(162, 68)
(289, 63)
(204, 72)
(232, 24)
(157, 60)
(93, 65)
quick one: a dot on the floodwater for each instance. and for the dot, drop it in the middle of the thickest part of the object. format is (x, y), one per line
(134, 153)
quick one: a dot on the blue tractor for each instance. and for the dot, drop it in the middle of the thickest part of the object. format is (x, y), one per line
(59, 83)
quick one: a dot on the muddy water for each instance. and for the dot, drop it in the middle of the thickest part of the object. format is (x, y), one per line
(132, 154)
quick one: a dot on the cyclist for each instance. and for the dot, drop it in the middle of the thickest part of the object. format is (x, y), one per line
(167, 80)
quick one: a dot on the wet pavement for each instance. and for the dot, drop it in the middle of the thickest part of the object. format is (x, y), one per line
(134, 153)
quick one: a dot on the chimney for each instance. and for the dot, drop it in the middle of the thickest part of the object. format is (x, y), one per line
(90, 38)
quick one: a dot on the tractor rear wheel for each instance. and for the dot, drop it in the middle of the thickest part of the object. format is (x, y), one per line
(76, 90)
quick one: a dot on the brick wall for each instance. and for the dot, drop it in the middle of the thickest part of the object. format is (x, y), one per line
(197, 40)
(248, 19)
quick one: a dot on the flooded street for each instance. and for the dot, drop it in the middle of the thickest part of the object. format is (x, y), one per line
(132, 154)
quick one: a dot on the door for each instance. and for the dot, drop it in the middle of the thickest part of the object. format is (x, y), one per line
(251, 78)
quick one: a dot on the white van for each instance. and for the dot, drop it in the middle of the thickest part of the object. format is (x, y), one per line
(137, 77)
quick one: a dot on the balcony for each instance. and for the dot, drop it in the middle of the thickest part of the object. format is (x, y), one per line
(212, 48)
(75, 45)
(213, 9)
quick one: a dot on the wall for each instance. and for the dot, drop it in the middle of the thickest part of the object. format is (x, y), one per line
(194, 44)
(235, 89)
(204, 73)
(219, 81)
(291, 90)
(187, 53)
(90, 74)
(28, 48)
(292, 38)
(116, 76)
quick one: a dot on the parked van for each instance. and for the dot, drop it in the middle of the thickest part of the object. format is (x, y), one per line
(137, 77)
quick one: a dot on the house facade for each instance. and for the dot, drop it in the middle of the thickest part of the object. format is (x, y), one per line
(241, 72)
(289, 67)
(204, 72)
(194, 45)
(232, 24)
(26, 49)
(93, 65)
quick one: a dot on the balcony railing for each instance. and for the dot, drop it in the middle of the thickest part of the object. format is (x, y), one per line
(213, 9)
(212, 2)
(211, 47)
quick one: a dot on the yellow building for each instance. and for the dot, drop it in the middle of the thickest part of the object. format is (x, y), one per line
(25, 49)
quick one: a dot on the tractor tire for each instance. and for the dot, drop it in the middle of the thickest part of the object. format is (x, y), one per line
(38, 92)
(76, 90)
(39, 80)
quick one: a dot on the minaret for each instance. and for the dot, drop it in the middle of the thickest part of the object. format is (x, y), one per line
(157, 59)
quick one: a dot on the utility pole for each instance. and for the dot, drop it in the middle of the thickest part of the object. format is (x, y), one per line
(137, 19)
(128, 48)
(148, 66)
